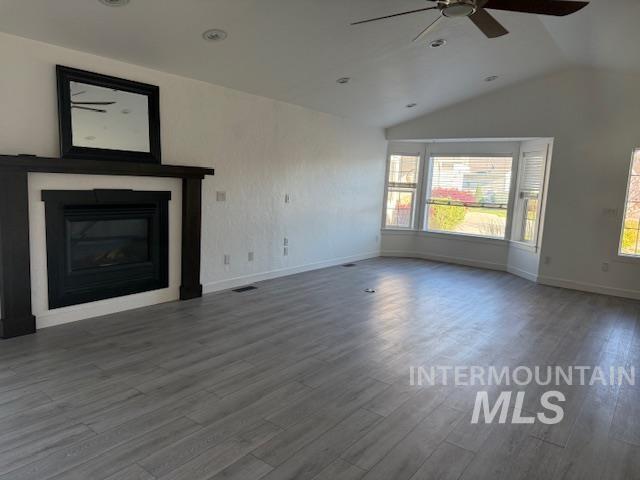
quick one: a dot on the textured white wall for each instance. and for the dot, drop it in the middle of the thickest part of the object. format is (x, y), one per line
(261, 149)
(593, 117)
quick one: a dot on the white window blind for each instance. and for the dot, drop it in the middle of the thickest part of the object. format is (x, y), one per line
(532, 173)
(469, 195)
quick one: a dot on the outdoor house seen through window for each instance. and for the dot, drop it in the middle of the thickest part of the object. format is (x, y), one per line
(629, 244)
(401, 190)
(468, 195)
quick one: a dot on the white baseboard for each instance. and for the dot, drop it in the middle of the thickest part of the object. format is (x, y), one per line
(84, 311)
(229, 283)
(532, 277)
(445, 259)
(589, 287)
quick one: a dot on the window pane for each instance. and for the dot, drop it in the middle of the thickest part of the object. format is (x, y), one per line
(636, 164)
(634, 189)
(403, 169)
(632, 216)
(486, 222)
(399, 208)
(469, 195)
(530, 208)
(629, 242)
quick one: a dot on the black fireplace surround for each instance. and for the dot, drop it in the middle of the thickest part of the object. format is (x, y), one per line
(16, 315)
(105, 243)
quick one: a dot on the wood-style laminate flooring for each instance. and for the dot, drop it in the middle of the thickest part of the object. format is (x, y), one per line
(307, 377)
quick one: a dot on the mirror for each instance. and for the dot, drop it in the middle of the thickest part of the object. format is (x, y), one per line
(106, 118)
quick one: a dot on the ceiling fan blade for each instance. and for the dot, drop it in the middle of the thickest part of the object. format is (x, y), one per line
(394, 15)
(430, 29)
(89, 109)
(93, 103)
(558, 8)
(487, 24)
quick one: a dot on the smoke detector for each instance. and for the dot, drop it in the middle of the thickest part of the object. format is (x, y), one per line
(214, 35)
(114, 3)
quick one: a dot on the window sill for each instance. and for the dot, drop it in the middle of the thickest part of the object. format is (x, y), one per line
(448, 236)
(626, 259)
(527, 247)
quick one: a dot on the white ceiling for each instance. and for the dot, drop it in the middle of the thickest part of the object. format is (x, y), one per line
(294, 50)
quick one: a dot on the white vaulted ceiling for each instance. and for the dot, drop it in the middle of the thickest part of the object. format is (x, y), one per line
(294, 50)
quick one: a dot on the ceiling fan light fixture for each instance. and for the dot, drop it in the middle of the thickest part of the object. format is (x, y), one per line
(491, 78)
(463, 8)
(343, 80)
(115, 3)
(441, 42)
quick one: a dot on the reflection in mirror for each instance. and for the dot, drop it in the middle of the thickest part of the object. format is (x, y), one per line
(109, 119)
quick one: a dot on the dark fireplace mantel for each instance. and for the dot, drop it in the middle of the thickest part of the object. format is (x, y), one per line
(16, 317)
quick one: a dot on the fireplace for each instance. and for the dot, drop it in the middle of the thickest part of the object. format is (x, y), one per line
(105, 243)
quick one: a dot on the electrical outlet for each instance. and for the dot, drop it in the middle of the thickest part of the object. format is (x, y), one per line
(287, 198)
(250, 256)
(286, 242)
(227, 259)
(605, 266)
(285, 252)
(221, 196)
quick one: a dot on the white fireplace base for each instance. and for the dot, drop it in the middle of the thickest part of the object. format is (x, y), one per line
(39, 288)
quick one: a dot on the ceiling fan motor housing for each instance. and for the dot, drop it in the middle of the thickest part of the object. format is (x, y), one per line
(459, 8)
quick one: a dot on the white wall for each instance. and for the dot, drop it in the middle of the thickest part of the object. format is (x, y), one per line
(261, 149)
(593, 116)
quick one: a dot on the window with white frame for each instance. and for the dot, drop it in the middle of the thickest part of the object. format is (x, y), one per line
(528, 206)
(468, 195)
(402, 183)
(629, 244)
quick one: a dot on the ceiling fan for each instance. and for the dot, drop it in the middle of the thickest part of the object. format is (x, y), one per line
(84, 105)
(477, 13)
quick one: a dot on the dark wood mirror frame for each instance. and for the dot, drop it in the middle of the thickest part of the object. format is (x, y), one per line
(65, 76)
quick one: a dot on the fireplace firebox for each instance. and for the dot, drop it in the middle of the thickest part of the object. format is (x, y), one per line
(105, 243)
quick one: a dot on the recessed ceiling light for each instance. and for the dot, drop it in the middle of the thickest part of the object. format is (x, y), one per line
(412, 105)
(214, 35)
(343, 80)
(115, 3)
(441, 42)
(491, 78)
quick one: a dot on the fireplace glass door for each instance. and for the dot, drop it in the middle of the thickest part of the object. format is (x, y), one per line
(105, 244)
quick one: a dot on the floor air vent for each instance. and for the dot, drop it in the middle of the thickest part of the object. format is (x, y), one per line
(245, 289)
